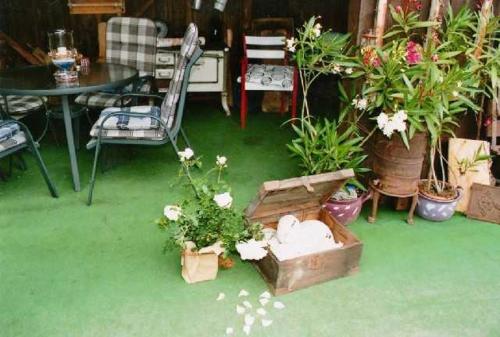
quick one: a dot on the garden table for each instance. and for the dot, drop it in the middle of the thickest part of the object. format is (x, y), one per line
(39, 81)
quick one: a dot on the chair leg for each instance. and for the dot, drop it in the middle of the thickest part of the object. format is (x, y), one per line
(94, 169)
(244, 109)
(44, 171)
(22, 163)
(183, 134)
(282, 103)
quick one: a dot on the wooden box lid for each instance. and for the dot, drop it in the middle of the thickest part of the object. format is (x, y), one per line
(293, 196)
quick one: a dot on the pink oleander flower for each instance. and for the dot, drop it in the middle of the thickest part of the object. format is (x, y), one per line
(413, 53)
(399, 9)
(435, 58)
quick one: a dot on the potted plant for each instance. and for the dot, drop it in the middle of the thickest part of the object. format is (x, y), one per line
(416, 87)
(324, 145)
(205, 226)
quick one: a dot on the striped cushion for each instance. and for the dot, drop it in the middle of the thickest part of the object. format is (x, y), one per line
(101, 100)
(22, 104)
(169, 104)
(123, 126)
(8, 130)
(16, 139)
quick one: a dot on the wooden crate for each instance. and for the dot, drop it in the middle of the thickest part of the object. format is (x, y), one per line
(116, 7)
(304, 198)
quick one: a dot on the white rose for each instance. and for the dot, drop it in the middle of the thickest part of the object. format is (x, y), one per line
(382, 120)
(221, 161)
(223, 200)
(186, 154)
(172, 212)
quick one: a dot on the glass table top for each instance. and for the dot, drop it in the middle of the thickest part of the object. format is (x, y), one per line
(39, 80)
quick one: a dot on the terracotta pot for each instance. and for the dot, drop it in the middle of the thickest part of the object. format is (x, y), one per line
(397, 168)
(437, 209)
(347, 211)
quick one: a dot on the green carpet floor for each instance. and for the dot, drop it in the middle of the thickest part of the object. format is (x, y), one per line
(71, 270)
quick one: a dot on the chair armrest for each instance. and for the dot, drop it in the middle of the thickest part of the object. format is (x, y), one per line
(131, 114)
(139, 94)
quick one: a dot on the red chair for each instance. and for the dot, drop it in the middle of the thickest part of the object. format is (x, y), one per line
(266, 77)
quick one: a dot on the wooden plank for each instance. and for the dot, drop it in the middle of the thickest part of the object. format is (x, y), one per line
(25, 54)
(101, 38)
(484, 203)
(464, 149)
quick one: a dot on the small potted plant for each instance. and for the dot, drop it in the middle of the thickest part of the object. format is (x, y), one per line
(205, 227)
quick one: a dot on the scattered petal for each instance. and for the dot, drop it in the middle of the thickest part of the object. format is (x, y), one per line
(247, 304)
(243, 292)
(221, 296)
(249, 319)
(246, 329)
(266, 322)
(263, 301)
(262, 311)
(229, 331)
(265, 294)
(278, 305)
(240, 310)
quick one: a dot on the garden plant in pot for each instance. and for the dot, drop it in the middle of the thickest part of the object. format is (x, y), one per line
(205, 227)
(324, 145)
(417, 86)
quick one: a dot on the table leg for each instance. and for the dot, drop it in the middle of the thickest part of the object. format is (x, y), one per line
(71, 142)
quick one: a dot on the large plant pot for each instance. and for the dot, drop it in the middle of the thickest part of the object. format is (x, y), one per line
(435, 208)
(398, 168)
(346, 211)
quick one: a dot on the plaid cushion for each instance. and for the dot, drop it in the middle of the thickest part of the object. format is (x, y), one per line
(8, 131)
(169, 104)
(101, 100)
(132, 42)
(17, 139)
(122, 126)
(22, 104)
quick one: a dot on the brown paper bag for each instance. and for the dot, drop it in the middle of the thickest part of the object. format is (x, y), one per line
(202, 265)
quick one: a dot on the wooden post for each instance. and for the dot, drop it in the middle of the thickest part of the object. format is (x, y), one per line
(380, 22)
(435, 14)
(101, 35)
(484, 18)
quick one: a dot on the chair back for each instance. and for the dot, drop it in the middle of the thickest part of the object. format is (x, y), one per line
(172, 107)
(132, 42)
(264, 47)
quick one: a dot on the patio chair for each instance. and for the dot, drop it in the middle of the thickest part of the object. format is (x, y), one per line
(15, 137)
(149, 125)
(266, 77)
(131, 42)
(18, 107)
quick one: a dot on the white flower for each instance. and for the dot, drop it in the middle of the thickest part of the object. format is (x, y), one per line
(360, 104)
(337, 69)
(455, 93)
(348, 71)
(399, 125)
(290, 44)
(317, 29)
(382, 120)
(223, 200)
(400, 115)
(459, 84)
(186, 154)
(388, 130)
(221, 161)
(172, 212)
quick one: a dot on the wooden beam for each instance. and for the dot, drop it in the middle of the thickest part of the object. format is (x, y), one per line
(25, 54)
(101, 38)
(380, 22)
